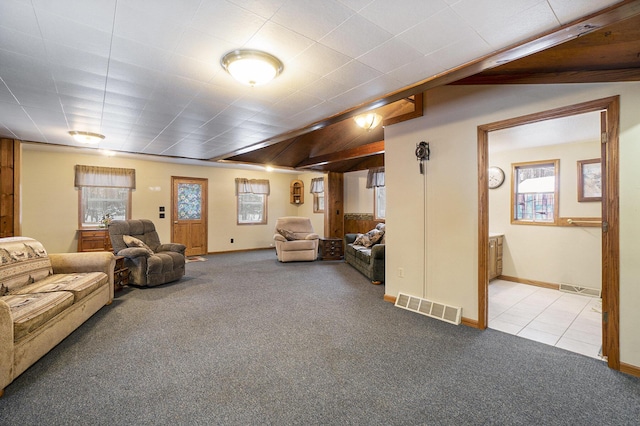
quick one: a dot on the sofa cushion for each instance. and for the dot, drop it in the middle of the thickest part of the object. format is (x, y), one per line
(135, 242)
(29, 311)
(22, 261)
(363, 253)
(289, 235)
(79, 284)
(299, 245)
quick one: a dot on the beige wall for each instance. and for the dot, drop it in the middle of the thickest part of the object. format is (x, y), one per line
(50, 201)
(551, 254)
(446, 270)
(357, 197)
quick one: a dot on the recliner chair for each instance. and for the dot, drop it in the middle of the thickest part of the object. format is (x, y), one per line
(150, 263)
(295, 239)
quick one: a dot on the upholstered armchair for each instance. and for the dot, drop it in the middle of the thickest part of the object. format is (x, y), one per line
(149, 262)
(295, 239)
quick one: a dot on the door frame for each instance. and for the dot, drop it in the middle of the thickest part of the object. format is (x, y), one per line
(204, 182)
(610, 214)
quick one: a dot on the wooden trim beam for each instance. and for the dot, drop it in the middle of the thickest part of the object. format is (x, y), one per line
(349, 154)
(600, 76)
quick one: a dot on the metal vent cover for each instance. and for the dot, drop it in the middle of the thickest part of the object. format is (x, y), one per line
(585, 291)
(447, 313)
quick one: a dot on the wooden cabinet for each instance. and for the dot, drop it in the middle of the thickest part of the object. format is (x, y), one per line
(495, 256)
(120, 274)
(297, 192)
(330, 249)
(94, 240)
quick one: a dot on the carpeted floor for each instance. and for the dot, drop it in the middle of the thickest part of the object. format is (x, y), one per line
(245, 340)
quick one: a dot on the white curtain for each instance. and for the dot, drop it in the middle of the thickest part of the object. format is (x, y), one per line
(252, 186)
(375, 177)
(317, 185)
(108, 177)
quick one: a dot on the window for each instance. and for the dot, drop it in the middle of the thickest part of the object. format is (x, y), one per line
(375, 180)
(104, 194)
(317, 189)
(535, 192)
(252, 201)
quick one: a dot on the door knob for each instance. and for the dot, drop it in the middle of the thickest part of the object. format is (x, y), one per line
(175, 221)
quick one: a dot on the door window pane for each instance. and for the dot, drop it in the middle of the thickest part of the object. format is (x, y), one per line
(189, 201)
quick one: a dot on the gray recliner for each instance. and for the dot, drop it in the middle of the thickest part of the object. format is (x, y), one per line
(151, 263)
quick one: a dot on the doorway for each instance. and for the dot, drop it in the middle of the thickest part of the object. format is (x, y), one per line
(189, 214)
(610, 239)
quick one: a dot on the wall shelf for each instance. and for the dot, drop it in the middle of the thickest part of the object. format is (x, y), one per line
(297, 192)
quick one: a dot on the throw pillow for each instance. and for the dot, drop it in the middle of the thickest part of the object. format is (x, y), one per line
(3, 290)
(362, 240)
(375, 236)
(290, 236)
(134, 242)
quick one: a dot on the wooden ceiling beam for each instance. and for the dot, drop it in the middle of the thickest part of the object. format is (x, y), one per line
(348, 154)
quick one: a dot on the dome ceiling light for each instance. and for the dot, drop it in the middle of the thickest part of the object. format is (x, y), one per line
(251, 67)
(368, 121)
(86, 137)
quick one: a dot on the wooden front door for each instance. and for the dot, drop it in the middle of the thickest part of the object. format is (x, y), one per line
(189, 214)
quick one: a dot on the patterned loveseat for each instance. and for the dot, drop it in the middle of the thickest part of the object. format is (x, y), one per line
(365, 252)
(44, 297)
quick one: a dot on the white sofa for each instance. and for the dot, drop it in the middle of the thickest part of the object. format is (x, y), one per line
(295, 239)
(44, 297)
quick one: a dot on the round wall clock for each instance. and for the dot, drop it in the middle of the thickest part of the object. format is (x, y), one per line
(496, 177)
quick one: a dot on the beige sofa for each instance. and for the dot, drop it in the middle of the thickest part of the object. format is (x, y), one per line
(44, 297)
(295, 239)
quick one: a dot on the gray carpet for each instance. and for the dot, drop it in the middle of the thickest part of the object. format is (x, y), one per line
(245, 340)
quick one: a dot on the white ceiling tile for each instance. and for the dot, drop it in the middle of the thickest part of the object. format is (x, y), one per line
(418, 70)
(25, 71)
(388, 15)
(146, 56)
(363, 36)
(390, 55)
(490, 13)
(66, 32)
(353, 74)
(441, 29)
(184, 67)
(85, 60)
(30, 96)
(320, 59)
(19, 15)
(324, 89)
(355, 5)
(227, 21)
(568, 10)
(203, 47)
(312, 18)
(149, 27)
(264, 8)
(97, 14)
(460, 52)
(535, 20)
(22, 43)
(279, 41)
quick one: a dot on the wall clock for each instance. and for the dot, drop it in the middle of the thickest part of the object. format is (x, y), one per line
(496, 177)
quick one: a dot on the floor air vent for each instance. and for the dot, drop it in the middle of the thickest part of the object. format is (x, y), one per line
(586, 291)
(450, 314)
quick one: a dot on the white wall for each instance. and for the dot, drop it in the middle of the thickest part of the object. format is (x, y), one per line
(50, 201)
(551, 254)
(450, 122)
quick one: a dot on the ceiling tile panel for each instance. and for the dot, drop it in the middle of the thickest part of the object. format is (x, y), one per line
(80, 36)
(142, 55)
(34, 97)
(98, 14)
(19, 15)
(389, 16)
(390, 55)
(363, 36)
(353, 74)
(153, 26)
(22, 43)
(227, 21)
(320, 59)
(568, 10)
(25, 70)
(279, 41)
(312, 18)
(263, 8)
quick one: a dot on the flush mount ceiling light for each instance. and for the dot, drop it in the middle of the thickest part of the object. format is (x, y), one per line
(251, 67)
(368, 121)
(86, 137)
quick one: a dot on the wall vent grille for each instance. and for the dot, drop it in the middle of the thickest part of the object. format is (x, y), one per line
(450, 314)
(586, 291)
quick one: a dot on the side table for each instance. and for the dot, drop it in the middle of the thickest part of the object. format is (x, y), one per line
(330, 248)
(120, 274)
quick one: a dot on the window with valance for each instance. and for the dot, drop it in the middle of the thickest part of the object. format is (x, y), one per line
(375, 180)
(317, 189)
(104, 194)
(252, 197)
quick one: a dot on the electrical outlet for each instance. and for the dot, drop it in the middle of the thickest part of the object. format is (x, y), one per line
(232, 241)
(401, 272)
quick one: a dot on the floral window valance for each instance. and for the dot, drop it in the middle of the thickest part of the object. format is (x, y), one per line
(107, 177)
(375, 177)
(252, 186)
(317, 185)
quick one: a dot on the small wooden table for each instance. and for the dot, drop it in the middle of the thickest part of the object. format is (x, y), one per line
(330, 248)
(120, 274)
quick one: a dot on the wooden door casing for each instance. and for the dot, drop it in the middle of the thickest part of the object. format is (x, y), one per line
(190, 231)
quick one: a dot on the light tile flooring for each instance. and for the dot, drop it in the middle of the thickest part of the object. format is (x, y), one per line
(568, 321)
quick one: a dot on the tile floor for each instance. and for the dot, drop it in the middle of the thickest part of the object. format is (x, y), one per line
(568, 321)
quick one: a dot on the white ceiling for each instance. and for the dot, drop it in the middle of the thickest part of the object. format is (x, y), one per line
(146, 73)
